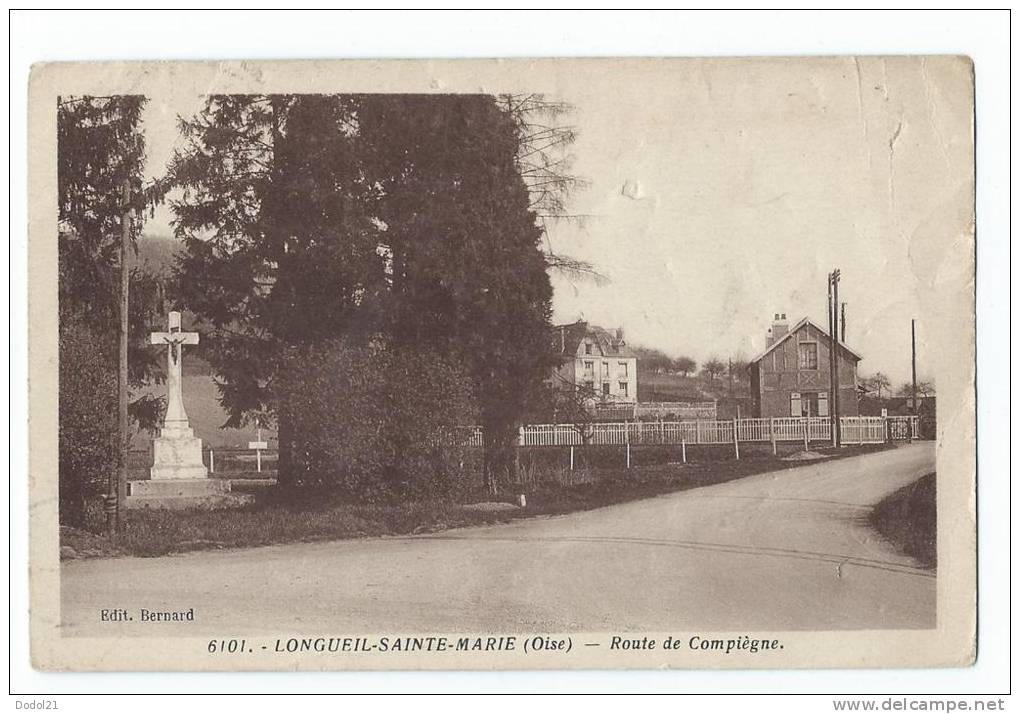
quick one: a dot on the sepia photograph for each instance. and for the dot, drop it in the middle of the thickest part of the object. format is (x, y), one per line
(503, 364)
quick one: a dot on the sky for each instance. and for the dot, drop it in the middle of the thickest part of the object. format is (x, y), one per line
(720, 192)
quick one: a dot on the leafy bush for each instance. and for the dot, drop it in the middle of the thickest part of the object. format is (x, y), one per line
(374, 424)
(87, 439)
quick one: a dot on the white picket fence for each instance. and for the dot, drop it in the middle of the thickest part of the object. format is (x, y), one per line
(854, 430)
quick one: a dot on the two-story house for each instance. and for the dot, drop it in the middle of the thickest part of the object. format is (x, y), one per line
(595, 360)
(791, 377)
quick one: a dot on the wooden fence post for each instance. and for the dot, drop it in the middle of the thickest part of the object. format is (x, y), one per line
(683, 446)
(697, 431)
(212, 462)
(626, 437)
(736, 440)
(772, 434)
(807, 436)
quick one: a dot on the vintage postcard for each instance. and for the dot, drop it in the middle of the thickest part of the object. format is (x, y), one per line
(503, 364)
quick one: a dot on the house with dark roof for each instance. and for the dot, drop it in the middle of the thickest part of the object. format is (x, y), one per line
(791, 377)
(596, 360)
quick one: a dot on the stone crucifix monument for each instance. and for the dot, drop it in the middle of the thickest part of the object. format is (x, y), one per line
(176, 452)
(178, 477)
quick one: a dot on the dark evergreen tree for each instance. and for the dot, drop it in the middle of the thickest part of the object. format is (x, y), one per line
(99, 148)
(279, 251)
(400, 220)
(468, 272)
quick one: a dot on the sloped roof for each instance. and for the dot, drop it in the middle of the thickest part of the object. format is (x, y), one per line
(569, 337)
(792, 332)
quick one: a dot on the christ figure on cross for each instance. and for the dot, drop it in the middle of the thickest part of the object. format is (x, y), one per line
(175, 416)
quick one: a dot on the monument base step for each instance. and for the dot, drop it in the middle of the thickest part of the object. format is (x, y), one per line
(178, 472)
(210, 502)
(172, 488)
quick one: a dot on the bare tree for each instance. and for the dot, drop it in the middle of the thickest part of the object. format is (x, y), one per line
(685, 365)
(877, 383)
(545, 164)
(713, 368)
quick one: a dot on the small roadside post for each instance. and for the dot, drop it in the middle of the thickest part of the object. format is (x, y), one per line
(772, 434)
(807, 437)
(258, 445)
(736, 440)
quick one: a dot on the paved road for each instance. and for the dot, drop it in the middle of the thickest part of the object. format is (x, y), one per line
(779, 551)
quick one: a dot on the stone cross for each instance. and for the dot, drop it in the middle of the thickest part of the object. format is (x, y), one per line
(175, 417)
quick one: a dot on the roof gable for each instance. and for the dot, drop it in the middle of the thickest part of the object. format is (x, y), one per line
(793, 330)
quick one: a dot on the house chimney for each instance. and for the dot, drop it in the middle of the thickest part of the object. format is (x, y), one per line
(780, 327)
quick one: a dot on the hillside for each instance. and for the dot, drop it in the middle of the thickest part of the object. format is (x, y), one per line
(201, 401)
(156, 253)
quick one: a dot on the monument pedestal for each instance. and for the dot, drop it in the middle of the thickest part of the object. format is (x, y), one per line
(177, 454)
(181, 494)
(178, 478)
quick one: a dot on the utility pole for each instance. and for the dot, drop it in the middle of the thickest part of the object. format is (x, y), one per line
(729, 371)
(842, 322)
(832, 391)
(118, 484)
(913, 365)
(833, 356)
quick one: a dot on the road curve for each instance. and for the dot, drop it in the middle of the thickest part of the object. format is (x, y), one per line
(787, 550)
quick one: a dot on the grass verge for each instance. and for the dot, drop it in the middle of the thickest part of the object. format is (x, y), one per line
(269, 522)
(907, 519)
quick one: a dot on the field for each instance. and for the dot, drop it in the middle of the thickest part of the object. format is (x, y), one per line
(654, 387)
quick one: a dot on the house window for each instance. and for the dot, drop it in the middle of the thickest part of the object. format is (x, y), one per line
(623, 369)
(587, 348)
(808, 355)
(623, 389)
(605, 369)
(823, 404)
(605, 388)
(795, 404)
(809, 404)
(589, 387)
(589, 369)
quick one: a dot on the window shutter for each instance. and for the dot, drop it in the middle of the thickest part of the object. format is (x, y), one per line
(795, 404)
(823, 404)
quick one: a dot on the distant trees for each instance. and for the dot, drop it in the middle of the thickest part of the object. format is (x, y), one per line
(657, 361)
(685, 366)
(876, 383)
(736, 368)
(924, 389)
(713, 367)
(653, 360)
